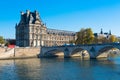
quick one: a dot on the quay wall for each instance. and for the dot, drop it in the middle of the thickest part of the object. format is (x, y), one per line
(21, 52)
(27, 52)
(2, 50)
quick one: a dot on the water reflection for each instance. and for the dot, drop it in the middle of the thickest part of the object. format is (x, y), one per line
(60, 69)
(27, 69)
(7, 70)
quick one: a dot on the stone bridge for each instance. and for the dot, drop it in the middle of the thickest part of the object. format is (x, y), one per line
(89, 50)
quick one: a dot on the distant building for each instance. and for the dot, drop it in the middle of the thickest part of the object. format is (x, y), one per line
(31, 31)
(103, 34)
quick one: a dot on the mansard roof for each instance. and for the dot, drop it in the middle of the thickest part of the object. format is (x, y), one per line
(60, 32)
(30, 17)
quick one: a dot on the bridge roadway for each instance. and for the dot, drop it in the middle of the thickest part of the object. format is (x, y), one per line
(88, 50)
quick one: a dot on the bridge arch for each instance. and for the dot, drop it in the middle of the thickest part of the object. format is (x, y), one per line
(80, 52)
(54, 53)
(94, 50)
(107, 51)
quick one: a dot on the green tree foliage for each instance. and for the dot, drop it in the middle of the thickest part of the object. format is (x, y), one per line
(1, 40)
(112, 38)
(80, 36)
(85, 36)
(7, 43)
(89, 36)
(95, 40)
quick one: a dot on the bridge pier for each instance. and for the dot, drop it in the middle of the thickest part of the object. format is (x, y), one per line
(66, 53)
(92, 55)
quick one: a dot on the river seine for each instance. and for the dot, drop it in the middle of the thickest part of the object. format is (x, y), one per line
(60, 69)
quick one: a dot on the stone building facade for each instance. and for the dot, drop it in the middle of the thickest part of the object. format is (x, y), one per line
(103, 34)
(32, 32)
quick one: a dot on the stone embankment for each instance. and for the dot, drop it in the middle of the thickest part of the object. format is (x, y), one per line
(2, 50)
(29, 52)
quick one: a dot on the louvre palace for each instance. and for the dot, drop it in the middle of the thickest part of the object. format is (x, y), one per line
(32, 32)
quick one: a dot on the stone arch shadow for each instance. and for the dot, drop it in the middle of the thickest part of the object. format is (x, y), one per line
(80, 52)
(54, 53)
(106, 51)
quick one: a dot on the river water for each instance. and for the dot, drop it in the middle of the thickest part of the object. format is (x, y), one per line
(60, 69)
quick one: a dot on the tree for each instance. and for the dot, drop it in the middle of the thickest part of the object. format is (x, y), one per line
(80, 36)
(1, 40)
(95, 41)
(85, 36)
(112, 38)
(7, 43)
(89, 36)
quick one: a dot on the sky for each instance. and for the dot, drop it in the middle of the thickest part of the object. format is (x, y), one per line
(71, 15)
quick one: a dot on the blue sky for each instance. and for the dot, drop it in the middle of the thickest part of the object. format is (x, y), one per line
(69, 15)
